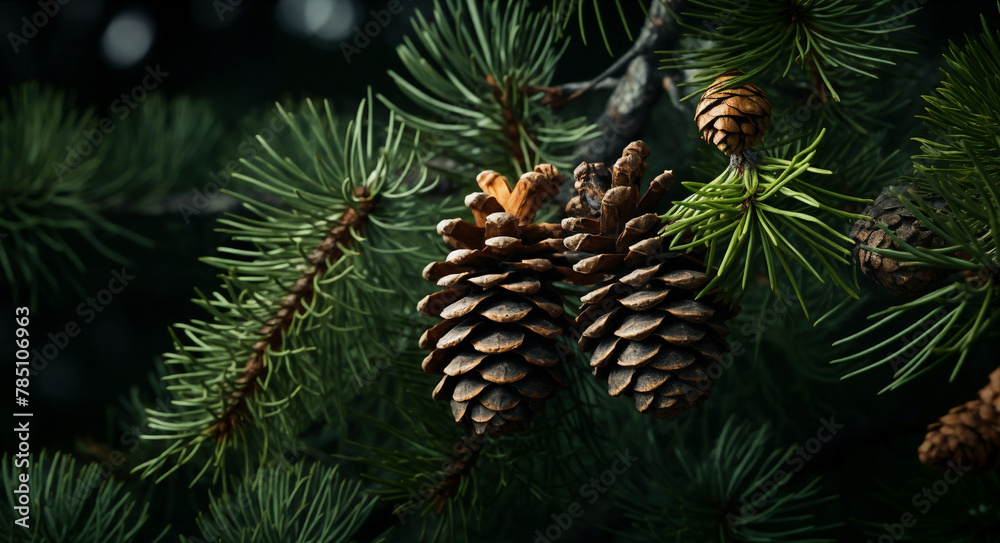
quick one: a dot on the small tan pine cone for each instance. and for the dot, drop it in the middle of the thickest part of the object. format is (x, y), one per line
(733, 119)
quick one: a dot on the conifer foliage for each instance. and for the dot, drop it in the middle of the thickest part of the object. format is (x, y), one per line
(349, 214)
(353, 378)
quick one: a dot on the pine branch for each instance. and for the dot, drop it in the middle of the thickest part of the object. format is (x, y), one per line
(826, 39)
(472, 84)
(630, 106)
(70, 502)
(960, 203)
(736, 490)
(51, 196)
(953, 319)
(350, 225)
(657, 33)
(297, 324)
(288, 504)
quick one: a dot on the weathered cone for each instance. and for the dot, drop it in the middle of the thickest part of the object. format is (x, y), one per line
(497, 344)
(651, 340)
(904, 279)
(733, 119)
(591, 181)
(969, 435)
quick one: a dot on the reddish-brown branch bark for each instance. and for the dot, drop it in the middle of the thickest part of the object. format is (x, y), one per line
(301, 295)
(511, 128)
(458, 468)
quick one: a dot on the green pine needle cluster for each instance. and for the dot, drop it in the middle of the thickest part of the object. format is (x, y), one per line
(826, 40)
(72, 503)
(288, 504)
(51, 196)
(470, 68)
(313, 347)
(964, 114)
(763, 208)
(65, 171)
(738, 489)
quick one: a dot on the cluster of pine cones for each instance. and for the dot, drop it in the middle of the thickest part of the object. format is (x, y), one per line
(497, 346)
(645, 329)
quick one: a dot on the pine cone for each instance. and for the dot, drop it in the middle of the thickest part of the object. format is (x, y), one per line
(497, 346)
(592, 180)
(651, 339)
(969, 435)
(733, 119)
(904, 279)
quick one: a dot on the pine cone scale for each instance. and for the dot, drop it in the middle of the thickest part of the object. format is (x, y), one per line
(498, 340)
(639, 326)
(504, 371)
(456, 335)
(463, 363)
(672, 360)
(505, 309)
(637, 353)
(650, 379)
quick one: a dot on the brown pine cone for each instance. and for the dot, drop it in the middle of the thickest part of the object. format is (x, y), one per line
(651, 340)
(497, 344)
(903, 279)
(969, 435)
(733, 119)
